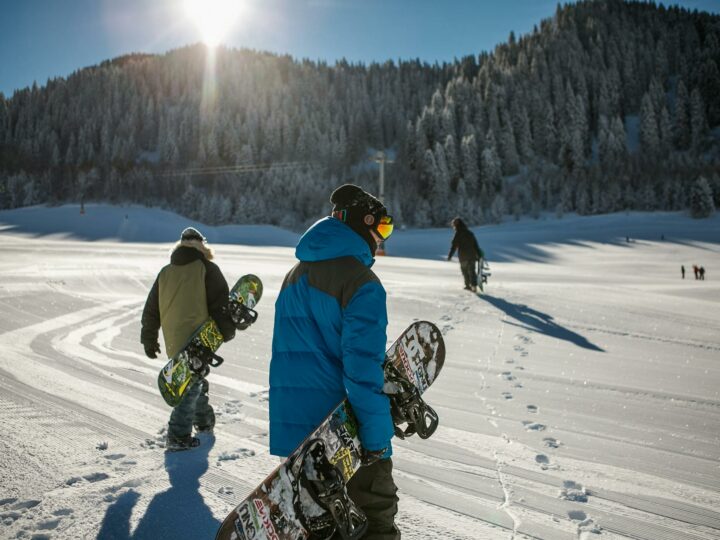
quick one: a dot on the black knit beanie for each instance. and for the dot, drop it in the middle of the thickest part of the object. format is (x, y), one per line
(362, 211)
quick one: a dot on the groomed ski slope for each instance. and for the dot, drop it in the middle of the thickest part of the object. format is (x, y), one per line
(579, 399)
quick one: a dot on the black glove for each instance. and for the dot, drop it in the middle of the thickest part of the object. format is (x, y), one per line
(371, 456)
(152, 349)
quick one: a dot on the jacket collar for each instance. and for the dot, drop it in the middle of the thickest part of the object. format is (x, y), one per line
(330, 238)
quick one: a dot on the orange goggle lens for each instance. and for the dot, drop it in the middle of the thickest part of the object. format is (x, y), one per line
(385, 227)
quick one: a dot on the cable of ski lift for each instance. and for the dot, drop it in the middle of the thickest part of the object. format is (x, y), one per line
(239, 169)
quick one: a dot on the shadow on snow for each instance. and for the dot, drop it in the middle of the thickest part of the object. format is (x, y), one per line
(534, 320)
(177, 511)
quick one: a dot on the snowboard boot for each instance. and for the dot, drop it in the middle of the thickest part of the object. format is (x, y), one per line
(179, 444)
(209, 430)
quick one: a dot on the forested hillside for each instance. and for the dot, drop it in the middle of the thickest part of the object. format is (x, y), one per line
(606, 106)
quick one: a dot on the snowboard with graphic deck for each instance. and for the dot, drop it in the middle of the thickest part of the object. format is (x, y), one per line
(306, 494)
(198, 355)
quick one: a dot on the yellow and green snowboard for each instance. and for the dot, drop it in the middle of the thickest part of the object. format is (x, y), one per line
(198, 354)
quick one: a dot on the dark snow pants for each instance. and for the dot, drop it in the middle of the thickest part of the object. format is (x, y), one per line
(373, 490)
(194, 409)
(469, 272)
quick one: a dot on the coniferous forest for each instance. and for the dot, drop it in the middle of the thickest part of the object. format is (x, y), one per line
(606, 106)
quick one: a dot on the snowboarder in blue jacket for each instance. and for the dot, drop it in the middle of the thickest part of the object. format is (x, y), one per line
(329, 344)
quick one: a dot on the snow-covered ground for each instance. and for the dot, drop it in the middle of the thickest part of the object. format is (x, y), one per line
(579, 398)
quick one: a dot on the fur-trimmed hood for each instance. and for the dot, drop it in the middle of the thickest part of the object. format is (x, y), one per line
(203, 248)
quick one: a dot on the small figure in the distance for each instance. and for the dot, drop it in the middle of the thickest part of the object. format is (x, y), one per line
(469, 253)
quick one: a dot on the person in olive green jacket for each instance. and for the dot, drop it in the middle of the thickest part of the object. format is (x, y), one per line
(185, 293)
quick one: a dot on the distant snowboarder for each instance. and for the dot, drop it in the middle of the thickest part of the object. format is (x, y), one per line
(701, 271)
(469, 253)
(184, 294)
(696, 271)
(682, 271)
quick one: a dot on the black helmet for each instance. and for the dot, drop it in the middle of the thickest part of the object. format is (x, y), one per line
(359, 210)
(191, 233)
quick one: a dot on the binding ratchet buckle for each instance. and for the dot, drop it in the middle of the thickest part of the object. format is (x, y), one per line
(201, 359)
(241, 315)
(407, 407)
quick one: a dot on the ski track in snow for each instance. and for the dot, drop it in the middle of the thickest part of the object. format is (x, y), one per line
(541, 435)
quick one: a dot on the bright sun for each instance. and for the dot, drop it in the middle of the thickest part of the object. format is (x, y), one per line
(213, 17)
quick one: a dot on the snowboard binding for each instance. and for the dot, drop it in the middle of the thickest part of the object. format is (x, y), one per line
(407, 407)
(326, 487)
(201, 359)
(241, 315)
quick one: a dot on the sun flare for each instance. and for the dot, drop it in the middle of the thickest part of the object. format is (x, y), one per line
(214, 18)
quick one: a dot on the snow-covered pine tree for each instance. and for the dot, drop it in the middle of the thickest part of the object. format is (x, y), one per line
(470, 169)
(490, 169)
(649, 138)
(701, 199)
(698, 122)
(681, 124)
(440, 188)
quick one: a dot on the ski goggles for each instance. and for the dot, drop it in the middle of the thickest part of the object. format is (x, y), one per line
(385, 227)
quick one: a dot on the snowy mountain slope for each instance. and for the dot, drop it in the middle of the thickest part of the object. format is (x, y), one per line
(580, 393)
(526, 239)
(130, 223)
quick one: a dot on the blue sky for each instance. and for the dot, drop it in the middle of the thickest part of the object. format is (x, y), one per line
(47, 38)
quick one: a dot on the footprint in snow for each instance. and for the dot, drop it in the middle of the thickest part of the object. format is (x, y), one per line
(551, 442)
(48, 524)
(533, 426)
(518, 348)
(8, 518)
(507, 375)
(446, 328)
(446, 318)
(543, 461)
(63, 512)
(572, 491)
(509, 361)
(16, 510)
(263, 395)
(507, 395)
(577, 515)
(237, 454)
(96, 477)
(25, 505)
(231, 408)
(532, 408)
(226, 491)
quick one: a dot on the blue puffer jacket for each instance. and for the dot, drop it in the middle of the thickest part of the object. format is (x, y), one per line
(329, 340)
